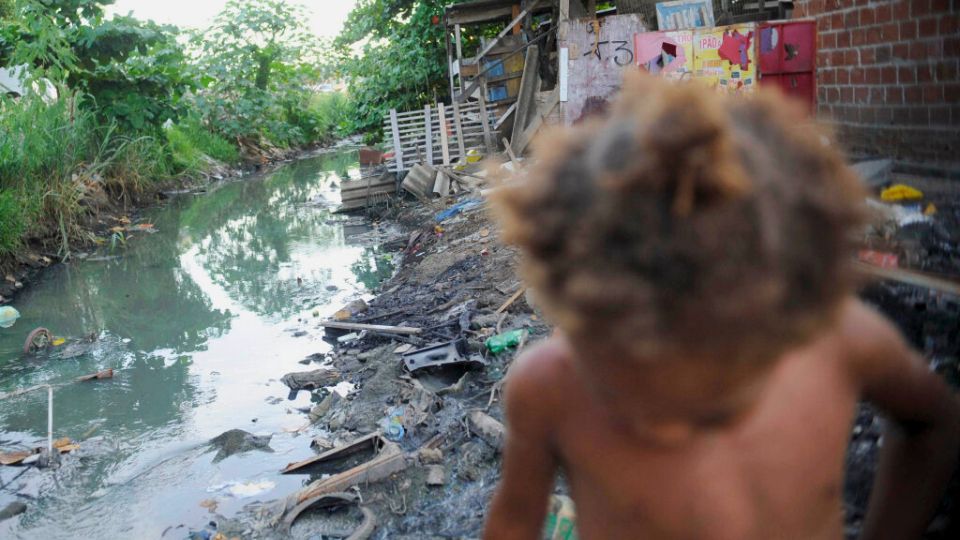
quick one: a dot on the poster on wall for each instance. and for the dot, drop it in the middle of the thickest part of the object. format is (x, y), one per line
(725, 57)
(684, 14)
(599, 53)
(668, 54)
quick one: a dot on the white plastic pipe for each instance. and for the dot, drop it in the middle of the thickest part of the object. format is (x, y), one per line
(50, 421)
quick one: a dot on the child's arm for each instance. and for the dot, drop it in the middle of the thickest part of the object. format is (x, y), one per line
(520, 504)
(922, 436)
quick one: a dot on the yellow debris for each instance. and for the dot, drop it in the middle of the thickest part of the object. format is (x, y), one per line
(930, 210)
(901, 192)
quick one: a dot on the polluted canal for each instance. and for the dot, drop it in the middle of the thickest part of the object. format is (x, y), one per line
(199, 313)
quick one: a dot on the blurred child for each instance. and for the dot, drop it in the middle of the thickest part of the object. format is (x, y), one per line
(695, 252)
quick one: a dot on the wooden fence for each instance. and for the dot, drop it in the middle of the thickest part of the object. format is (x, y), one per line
(439, 134)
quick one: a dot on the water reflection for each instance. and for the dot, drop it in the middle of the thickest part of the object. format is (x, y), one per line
(195, 319)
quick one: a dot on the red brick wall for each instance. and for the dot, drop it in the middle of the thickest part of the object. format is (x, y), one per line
(887, 75)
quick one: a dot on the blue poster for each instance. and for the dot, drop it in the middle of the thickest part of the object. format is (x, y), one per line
(684, 14)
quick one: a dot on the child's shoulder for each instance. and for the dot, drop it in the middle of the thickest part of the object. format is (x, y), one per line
(540, 377)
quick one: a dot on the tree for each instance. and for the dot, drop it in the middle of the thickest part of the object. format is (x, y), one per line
(257, 60)
(403, 60)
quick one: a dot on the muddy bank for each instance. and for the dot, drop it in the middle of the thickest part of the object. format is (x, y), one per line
(456, 285)
(107, 214)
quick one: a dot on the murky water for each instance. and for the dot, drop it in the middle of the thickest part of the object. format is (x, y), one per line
(199, 322)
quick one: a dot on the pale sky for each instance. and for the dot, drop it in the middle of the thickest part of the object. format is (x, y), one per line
(326, 16)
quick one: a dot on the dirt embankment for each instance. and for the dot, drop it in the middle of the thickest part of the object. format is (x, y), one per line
(105, 213)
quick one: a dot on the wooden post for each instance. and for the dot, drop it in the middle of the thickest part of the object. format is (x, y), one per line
(529, 85)
(458, 125)
(446, 38)
(516, 12)
(428, 131)
(397, 149)
(485, 122)
(444, 141)
(456, 35)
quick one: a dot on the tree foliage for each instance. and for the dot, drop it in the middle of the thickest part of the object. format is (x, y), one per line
(402, 58)
(258, 61)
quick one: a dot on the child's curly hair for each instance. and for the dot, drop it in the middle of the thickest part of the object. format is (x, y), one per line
(687, 223)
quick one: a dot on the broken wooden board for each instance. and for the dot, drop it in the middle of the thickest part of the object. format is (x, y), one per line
(488, 428)
(402, 330)
(419, 181)
(372, 442)
(391, 460)
(14, 458)
(911, 277)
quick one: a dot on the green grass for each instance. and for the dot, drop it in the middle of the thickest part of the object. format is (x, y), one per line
(189, 142)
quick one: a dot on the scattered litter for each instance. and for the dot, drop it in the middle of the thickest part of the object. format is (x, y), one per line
(561, 521)
(442, 354)
(405, 348)
(930, 210)
(321, 409)
(65, 445)
(900, 192)
(431, 456)
(373, 444)
(392, 425)
(15, 458)
(347, 338)
(8, 316)
(36, 340)
(370, 327)
(499, 343)
(457, 209)
(436, 475)
(328, 500)
(210, 505)
(12, 510)
(874, 173)
(310, 380)
(243, 490)
(237, 441)
(351, 310)
(488, 428)
(100, 375)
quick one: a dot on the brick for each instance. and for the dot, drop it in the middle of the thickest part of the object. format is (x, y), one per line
(927, 27)
(890, 32)
(947, 70)
(884, 115)
(833, 95)
(894, 95)
(843, 76)
(919, 116)
(851, 57)
(868, 55)
(932, 93)
(901, 115)
(828, 76)
(908, 30)
(828, 40)
(884, 13)
(857, 77)
(843, 39)
(918, 50)
(888, 75)
(951, 93)
(949, 25)
(851, 19)
(883, 54)
(868, 16)
(836, 21)
(934, 48)
(906, 74)
(860, 94)
(925, 74)
(901, 51)
(951, 46)
(846, 94)
(858, 37)
(901, 10)
(876, 95)
(871, 75)
(919, 7)
(940, 6)
(867, 115)
(874, 35)
(912, 95)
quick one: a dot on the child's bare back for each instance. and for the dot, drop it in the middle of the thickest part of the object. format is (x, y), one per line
(745, 436)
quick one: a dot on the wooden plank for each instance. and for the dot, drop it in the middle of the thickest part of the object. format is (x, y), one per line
(458, 126)
(502, 119)
(529, 86)
(487, 137)
(397, 149)
(444, 142)
(402, 330)
(428, 130)
(513, 157)
(456, 33)
(506, 305)
(911, 277)
(493, 42)
(527, 135)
